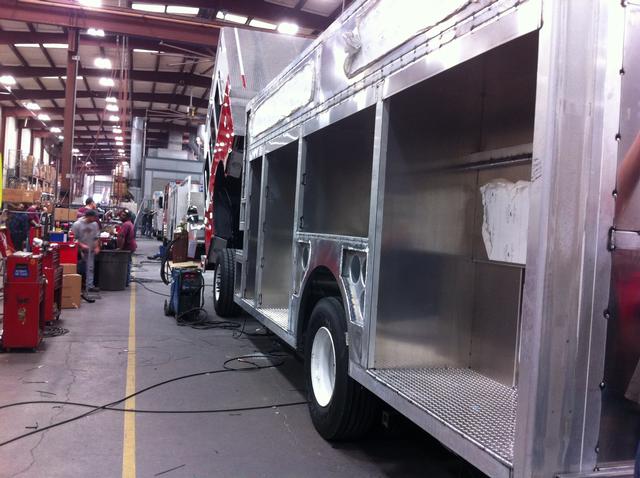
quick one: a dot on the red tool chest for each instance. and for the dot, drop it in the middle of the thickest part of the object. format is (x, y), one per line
(52, 271)
(23, 301)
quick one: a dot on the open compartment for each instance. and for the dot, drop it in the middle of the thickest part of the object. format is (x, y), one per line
(453, 245)
(338, 177)
(255, 186)
(277, 270)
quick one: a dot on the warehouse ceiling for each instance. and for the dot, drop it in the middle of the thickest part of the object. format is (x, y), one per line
(150, 59)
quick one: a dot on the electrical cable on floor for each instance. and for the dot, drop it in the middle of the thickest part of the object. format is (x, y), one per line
(205, 322)
(151, 411)
(239, 333)
(142, 283)
(54, 331)
(225, 369)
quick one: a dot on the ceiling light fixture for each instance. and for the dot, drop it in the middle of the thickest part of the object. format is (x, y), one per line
(114, 118)
(59, 46)
(32, 106)
(104, 81)
(55, 129)
(111, 99)
(117, 130)
(119, 143)
(148, 7)
(7, 80)
(61, 137)
(119, 138)
(75, 150)
(260, 24)
(102, 63)
(121, 151)
(44, 117)
(180, 10)
(27, 45)
(231, 17)
(111, 107)
(95, 32)
(288, 28)
(90, 3)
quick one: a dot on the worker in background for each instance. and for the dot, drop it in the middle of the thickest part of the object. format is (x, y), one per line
(87, 233)
(33, 212)
(18, 225)
(127, 238)
(89, 204)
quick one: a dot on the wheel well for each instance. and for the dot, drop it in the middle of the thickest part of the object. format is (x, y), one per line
(322, 283)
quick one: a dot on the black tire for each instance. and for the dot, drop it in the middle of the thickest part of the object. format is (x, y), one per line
(352, 409)
(167, 308)
(225, 273)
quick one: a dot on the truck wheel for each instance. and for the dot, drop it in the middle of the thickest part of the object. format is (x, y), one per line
(223, 284)
(340, 407)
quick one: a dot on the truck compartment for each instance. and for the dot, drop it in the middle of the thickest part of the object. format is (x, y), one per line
(338, 177)
(453, 245)
(277, 270)
(255, 185)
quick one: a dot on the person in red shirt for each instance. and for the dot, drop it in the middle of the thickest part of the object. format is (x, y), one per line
(127, 238)
(88, 204)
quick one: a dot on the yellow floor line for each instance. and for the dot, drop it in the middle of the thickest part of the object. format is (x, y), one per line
(129, 440)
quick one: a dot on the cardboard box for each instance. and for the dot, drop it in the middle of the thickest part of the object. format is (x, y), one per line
(71, 290)
(66, 215)
(69, 269)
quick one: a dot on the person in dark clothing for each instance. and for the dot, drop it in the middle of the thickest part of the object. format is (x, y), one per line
(18, 225)
(127, 238)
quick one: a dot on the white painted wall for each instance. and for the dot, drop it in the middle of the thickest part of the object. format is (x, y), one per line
(25, 145)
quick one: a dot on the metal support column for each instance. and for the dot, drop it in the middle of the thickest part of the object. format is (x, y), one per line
(69, 116)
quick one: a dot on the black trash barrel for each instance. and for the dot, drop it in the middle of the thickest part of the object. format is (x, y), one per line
(112, 269)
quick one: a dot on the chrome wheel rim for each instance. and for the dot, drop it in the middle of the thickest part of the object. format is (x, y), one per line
(216, 284)
(323, 366)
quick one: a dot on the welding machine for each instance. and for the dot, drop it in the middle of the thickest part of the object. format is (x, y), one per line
(185, 301)
(23, 301)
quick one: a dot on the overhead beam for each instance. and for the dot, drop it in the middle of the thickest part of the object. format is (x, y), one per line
(151, 125)
(8, 37)
(164, 98)
(183, 79)
(24, 113)
(124, 21)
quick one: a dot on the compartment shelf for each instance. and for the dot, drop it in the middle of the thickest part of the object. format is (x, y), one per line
(480, 409)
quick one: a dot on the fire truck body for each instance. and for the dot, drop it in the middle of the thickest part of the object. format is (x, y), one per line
(430, 212)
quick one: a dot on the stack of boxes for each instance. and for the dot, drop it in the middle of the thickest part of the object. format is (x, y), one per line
(71, 287)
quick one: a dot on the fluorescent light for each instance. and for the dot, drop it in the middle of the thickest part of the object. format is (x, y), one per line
(32, 106)
(27, 45)
(75, 150)
(90, 3)
(56, 45)
(111, 99)
(114, 118)
(260, 24)
(119, 143)
(119, 138)
(44, 117)
(95, 32)
(231, 17)
(142, 50)
(121, 151)
(117, 130)
(106, 82)
(182, 10)
(148, 7)
(102, 63)
(61, 137)
(79, 154)
(55, 129)
(63, 77)
(112, 107)
(288, 28)
(7, 80)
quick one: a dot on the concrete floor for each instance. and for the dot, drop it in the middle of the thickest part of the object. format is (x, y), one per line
(89, 365)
